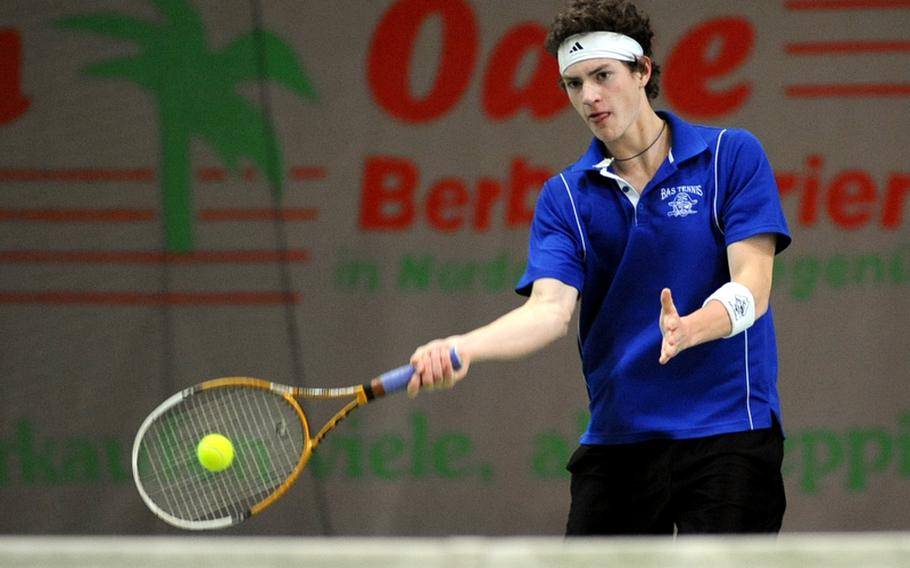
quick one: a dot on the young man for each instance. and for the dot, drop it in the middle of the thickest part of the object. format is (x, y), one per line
(666, 231)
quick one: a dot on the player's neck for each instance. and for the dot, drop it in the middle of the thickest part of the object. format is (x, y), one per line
(653, 146)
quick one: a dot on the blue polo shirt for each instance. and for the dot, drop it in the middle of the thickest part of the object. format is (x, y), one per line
(619, 248)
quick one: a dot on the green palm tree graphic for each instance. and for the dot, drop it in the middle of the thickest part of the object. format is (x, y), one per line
(195, 90)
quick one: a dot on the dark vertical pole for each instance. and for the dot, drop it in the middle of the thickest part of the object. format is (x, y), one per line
(281, 240)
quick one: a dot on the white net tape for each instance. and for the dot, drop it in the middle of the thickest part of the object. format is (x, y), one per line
(870, 550)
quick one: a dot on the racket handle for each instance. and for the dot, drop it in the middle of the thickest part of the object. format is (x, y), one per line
(397, 379)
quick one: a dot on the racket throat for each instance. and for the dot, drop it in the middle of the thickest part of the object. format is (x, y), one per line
(339, 416)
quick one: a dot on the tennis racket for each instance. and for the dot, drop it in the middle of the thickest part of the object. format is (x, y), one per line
(269, 438)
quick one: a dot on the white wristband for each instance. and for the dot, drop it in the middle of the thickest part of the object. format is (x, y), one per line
(739, 303)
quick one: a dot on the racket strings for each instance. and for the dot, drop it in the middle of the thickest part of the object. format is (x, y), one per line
(268, 440)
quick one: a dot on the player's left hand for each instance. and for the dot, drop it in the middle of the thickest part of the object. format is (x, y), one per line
(673, 328)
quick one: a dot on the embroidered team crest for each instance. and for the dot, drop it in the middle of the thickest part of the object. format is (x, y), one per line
(682, 205)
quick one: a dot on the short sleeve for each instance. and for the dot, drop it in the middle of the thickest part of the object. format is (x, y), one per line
(555, 247)
(749, 200)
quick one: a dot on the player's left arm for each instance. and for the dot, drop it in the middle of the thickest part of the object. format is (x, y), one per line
(751, 263)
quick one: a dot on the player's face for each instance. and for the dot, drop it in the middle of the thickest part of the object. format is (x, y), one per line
(606, 94)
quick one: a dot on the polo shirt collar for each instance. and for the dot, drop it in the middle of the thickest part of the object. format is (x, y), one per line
(686, 144)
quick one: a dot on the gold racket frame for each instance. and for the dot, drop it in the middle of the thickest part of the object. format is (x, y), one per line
(290, 395)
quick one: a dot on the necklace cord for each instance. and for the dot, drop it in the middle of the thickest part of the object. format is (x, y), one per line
(649, 146)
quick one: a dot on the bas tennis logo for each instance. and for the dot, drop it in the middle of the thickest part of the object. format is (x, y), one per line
(682, 204)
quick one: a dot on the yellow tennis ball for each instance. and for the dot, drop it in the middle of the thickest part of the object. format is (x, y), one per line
(215, 452)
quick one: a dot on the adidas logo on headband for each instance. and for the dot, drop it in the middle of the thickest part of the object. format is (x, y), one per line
(576, 47)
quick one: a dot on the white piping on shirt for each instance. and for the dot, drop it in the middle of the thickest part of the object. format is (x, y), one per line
(746, 332)
(584, 255)
(584, 248)
(748, 381)
(716, 158)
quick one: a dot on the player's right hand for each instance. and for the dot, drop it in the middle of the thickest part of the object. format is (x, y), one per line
(433, 366)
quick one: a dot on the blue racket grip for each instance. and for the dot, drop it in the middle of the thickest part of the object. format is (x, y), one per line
(397, 379)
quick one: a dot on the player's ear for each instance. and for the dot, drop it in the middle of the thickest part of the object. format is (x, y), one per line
(644, 66)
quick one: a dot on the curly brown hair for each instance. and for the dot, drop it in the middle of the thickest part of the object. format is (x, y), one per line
(621, 16)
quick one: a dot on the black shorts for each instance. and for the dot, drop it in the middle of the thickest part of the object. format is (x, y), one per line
(729, 483)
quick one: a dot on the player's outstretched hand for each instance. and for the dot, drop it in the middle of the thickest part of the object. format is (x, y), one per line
(672, 327)
(433, 367)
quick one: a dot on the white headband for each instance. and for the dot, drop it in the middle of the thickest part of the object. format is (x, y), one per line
(594, 45)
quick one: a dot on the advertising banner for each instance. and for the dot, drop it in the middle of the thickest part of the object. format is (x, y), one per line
(307, 190)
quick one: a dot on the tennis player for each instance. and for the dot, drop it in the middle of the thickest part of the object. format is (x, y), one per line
(666, 232)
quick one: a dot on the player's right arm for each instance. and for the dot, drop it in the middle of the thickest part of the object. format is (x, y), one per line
(541, 320)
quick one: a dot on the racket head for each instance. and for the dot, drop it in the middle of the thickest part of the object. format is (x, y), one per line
(271, 440)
